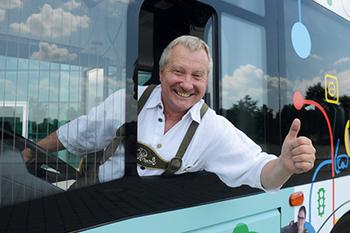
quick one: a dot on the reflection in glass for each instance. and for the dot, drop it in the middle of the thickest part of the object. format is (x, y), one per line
(244, 81)
(61, 59)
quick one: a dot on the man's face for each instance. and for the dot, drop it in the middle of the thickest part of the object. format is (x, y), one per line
(184, 79)
(301, 220)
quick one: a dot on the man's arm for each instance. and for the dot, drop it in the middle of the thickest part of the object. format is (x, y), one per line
(297, 156)
(50, 143)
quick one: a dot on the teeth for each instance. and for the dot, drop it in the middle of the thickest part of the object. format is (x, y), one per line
(183, 94)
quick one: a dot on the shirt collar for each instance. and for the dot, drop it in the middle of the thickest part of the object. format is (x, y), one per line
(155, 100)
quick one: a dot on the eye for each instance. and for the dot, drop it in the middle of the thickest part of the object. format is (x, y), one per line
(197, 76)
(178, 72)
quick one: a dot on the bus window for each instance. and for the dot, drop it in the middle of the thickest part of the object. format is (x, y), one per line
(320, 78)
(160, 23)
(249, 86)
(59, 60)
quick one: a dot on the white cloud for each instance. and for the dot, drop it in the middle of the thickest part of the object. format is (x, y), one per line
(342, 60)
(2, 14)
(344, 82)
(246, 80)
(316, 56)
(304, 84)
(71, 4)
(6, 4)
(52, 23)
(52, 53)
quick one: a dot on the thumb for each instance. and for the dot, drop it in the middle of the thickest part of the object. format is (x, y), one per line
(294, 128)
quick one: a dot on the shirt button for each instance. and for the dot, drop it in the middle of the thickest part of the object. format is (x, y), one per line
(160, 106)
(159, 146)
(160, 119)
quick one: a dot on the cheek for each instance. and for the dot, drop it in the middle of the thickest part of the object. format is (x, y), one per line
(201, 86)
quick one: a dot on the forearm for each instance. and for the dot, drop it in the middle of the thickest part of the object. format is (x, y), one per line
(50, 143)
(273, 175)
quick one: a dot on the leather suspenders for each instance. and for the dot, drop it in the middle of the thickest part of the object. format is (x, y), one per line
(146, 156)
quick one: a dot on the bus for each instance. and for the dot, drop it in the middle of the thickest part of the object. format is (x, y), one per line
(273, 61)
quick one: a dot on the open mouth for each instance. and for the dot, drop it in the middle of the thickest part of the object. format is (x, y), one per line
(183, 94)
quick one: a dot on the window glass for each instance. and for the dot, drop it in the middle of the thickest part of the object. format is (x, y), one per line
(257, 6)
(58, 60)
(208, 38)
(316, 77)
(243, 82)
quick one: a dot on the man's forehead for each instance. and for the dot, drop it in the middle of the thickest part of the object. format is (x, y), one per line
(180, 52)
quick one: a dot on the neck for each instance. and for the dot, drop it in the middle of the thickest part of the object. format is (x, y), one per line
(171, 119)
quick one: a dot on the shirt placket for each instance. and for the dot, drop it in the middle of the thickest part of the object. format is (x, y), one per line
(159, 129)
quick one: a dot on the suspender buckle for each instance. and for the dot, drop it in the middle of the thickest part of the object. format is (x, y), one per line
(173, 166)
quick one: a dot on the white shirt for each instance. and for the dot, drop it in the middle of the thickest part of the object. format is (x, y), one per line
(217, 146)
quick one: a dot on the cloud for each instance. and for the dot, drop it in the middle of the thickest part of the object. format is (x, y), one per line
(344, 86)
(2, 14)
(342, 60)
(245, 80)
(52, 53)
(6, 4)
(52, 23)
(304, 84)
(72, 4)
(316, 56)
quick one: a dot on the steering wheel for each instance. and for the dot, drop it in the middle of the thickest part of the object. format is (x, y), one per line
(64, 170)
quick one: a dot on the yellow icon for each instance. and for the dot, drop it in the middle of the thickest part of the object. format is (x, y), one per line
(346, 138)
(331, 91)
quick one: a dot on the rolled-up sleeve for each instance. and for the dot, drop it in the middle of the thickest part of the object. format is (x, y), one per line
(93, 132)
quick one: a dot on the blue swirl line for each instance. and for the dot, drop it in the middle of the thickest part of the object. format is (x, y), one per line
(329, 161)
(299, 10)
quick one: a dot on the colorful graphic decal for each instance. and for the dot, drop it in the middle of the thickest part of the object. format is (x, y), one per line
(331, 93)
(301, 37)
(340, 7)
(301, 225)
(242, 228)
(338, 162)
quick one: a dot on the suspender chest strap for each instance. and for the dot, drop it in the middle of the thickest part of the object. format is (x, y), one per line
(113, 145)
(146, 156)
(176, 162)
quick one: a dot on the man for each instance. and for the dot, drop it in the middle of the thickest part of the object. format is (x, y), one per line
(217, 146)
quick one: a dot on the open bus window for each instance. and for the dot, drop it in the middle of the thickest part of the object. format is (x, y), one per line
(73, 84)
(161, 22)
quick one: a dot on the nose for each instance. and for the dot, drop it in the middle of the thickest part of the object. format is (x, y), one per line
(186, 83)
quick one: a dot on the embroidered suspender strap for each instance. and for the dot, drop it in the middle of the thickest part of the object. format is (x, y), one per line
(176, 162)
(113, 145)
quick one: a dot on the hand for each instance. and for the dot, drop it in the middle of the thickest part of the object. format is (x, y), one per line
(298, 153)
(28, 155)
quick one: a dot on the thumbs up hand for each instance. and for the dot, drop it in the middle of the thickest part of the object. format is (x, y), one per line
(298, 153)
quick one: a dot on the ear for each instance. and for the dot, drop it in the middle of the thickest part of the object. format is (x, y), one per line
(160, 74)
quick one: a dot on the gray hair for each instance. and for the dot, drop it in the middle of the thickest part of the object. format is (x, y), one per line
(191, 42)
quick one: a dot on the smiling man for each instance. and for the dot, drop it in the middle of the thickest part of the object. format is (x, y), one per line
(184, 77)
(178, 133)
(216, 146)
